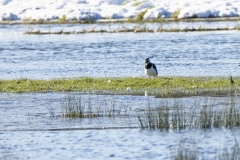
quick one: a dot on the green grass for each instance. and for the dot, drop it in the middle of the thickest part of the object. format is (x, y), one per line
(160, 84)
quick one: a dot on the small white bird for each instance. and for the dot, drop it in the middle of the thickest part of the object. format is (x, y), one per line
(150, 68)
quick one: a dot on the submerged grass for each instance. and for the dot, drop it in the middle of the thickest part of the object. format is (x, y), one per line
(232, 154)
(157, 86)
(188, 149)
(185, 151)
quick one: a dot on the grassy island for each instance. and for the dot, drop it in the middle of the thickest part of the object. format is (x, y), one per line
(137, 85)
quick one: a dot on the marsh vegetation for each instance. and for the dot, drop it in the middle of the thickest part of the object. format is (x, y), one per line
(202, 114)
(135, 29)
(74, 106)
(198, 116)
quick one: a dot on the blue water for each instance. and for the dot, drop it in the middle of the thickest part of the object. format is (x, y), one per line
(113, 144)
(116, 55)
(31, 127)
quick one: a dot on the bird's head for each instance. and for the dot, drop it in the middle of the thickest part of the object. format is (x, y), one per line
(147, 60)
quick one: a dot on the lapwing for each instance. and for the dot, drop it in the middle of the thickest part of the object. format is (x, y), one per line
(150, 68)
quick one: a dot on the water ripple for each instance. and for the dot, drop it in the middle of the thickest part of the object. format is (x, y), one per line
(119, 55)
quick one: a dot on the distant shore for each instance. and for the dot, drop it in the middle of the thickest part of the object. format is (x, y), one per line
(121, 21)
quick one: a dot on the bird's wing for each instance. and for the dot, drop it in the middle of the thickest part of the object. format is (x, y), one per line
(155, 68)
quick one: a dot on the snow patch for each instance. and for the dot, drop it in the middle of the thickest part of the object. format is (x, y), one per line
(4, 2)
(112, 9)
(9, 16)
(156, 13)
(144, 6)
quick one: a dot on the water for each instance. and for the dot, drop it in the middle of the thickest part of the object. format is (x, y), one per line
(106, 144)
(119, 54)
(31, 126)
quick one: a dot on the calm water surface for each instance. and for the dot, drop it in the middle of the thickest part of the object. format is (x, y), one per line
(119, 54)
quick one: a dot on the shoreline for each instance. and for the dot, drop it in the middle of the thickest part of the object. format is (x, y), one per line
(100, 21)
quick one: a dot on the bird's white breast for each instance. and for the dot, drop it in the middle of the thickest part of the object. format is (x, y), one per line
(150, 72)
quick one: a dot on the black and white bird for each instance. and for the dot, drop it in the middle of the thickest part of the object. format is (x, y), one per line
(150, 68)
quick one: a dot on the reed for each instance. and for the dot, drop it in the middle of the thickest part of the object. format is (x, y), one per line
(72, 107)
(75, 106)
(203, 114)
(199, 116)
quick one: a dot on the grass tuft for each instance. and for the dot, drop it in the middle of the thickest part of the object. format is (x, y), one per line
(139, 17)
(78, 106)
(199, 116)
(63, 18)
(175, 14)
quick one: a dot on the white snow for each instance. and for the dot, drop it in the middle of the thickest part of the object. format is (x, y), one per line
(115, 9)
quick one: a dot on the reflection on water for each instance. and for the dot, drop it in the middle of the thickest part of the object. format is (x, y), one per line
(116, 144)
(39, 111)
(119, 54)
(28, 130)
